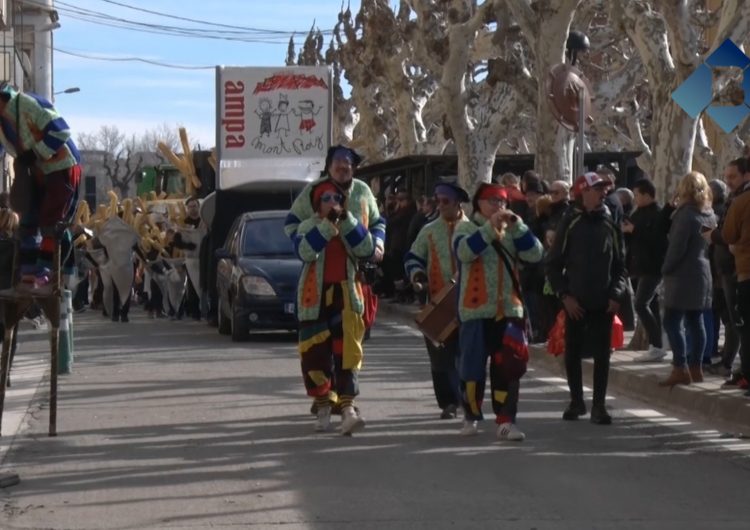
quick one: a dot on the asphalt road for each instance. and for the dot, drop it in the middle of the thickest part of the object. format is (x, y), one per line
(169, 425)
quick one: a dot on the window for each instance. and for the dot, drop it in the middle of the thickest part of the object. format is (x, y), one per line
(266, 237)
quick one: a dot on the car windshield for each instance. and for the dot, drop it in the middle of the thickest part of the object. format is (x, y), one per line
(266, 237)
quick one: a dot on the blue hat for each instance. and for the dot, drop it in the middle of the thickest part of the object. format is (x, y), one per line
(453, 190)
(342, 151)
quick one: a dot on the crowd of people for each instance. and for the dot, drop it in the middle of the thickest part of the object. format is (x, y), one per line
(521, 252)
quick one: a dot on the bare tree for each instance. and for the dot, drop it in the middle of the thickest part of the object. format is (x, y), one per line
(122, 158)
(670, 40)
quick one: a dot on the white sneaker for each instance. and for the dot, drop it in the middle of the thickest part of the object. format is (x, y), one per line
(509, 432)
(323, 422)
(351, 422)
(653, 355)
(469, 428)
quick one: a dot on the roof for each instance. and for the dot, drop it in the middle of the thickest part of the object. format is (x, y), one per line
(449, 163)
(267, 214)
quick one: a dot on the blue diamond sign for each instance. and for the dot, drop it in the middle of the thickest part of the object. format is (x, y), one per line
(720, 86)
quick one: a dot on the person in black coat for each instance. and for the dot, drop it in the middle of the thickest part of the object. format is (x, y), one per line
(586, 268)
(647, 234)
(723, 265)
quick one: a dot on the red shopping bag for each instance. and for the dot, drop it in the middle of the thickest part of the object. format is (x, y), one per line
(556, 337)
(618, 334)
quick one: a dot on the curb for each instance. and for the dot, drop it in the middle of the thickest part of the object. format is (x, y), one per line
(638, 381)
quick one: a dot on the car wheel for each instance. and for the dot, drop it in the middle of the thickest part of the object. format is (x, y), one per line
(225, 325)
(240, 328)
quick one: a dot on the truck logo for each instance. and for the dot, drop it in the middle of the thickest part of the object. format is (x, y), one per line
(289, 82)
(233, 120)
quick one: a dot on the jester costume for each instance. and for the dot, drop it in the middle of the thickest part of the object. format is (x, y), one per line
(491, 312)
(47, 162)
(331, 300)
(330, 304)
(432, 255)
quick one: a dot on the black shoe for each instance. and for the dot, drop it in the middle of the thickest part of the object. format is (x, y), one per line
(575, 410)
(734, 380)
(124, 318)
(600, 416)
(449, 412)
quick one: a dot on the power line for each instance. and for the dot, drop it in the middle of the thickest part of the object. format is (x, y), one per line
(240, 33)
(133, 59)
(177, 17)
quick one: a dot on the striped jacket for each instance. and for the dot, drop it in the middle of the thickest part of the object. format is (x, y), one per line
(432, 254)
(486, 288)
(41, 129)
(359, 201)
(313, 236)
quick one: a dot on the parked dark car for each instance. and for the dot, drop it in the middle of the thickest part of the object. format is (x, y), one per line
(257, 274)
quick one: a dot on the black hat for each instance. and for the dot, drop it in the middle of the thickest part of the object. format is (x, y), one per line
(341, 150)
(460, 193)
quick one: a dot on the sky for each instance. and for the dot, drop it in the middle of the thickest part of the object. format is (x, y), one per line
(136, 96)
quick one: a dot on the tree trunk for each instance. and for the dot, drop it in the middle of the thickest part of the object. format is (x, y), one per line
(673, 142)
(475, 165)
(546, 27)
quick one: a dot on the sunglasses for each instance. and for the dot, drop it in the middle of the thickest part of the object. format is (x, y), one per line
(328, 197)
(494, 201)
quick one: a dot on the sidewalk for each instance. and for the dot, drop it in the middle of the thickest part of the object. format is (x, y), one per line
(706, 401)
(28, 372)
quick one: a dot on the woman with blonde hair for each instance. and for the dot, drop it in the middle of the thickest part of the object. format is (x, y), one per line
(687, 279)
(8, 223)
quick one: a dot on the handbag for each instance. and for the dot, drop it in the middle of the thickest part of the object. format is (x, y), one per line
(371, 305)
(514, 350)
(618, 334)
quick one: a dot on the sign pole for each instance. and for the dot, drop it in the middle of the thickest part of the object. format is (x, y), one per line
(581, 132)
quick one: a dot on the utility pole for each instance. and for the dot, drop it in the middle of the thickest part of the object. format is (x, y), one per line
(43, 49)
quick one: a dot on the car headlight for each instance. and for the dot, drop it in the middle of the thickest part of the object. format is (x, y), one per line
(257, 286)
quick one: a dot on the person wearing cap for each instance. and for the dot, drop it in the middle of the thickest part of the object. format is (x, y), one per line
(47, 171)
(491, 309)
(330, 305)
(586, 269)
(431, 263)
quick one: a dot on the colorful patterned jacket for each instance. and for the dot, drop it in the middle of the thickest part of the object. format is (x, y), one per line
(314, 234)
(359, 201)
(41, 129)
(432, 254)
(486, 288)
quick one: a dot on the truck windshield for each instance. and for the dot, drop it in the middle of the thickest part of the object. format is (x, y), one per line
(266, 237)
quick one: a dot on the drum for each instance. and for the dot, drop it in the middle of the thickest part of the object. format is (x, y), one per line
(438, 320)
